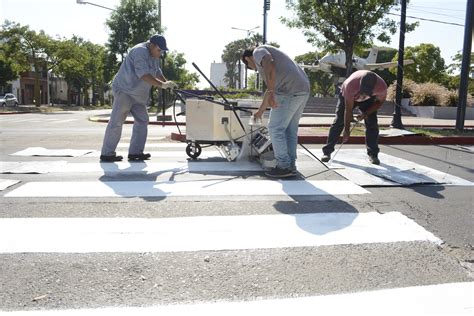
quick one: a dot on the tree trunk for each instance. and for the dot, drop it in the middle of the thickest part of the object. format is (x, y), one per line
(37, 86)
(349, 52)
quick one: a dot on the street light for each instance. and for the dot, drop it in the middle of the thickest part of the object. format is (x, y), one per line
(249, 31)
(97, 5)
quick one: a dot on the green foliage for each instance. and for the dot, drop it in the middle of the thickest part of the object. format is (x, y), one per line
(321, 82)
(132, 23)
(427, 94)
(232, 56)
(429, 66)
(174, 70)
(343, 24)
(408, 89)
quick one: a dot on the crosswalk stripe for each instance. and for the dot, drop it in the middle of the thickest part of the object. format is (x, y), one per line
(157, 145)
(87, 235)
(450, 299)
(223, 187)
(177, 154)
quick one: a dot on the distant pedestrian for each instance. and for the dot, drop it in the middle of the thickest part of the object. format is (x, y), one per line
(287, 92)
(366, 91)
(131, 90)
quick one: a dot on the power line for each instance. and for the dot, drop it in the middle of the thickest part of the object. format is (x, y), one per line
(435, 13)
(430, 20)
(443, 9)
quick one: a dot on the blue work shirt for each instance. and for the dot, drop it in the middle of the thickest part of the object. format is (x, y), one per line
(138, 63)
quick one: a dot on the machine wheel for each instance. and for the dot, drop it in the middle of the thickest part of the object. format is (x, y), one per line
(193, 150)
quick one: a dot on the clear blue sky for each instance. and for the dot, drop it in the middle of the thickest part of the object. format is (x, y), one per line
(201, 29)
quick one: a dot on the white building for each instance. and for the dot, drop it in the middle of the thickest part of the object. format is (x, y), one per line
(218, 71)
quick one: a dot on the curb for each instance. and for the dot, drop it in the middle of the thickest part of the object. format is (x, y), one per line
(103, 120)
(397, 140)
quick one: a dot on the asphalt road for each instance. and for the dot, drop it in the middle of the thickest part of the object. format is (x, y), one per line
(36, 280)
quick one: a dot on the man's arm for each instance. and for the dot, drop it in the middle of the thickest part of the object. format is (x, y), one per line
(348, 117)
(269, 97)
(159, 81)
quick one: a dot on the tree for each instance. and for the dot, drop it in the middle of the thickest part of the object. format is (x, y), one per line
(232, 56)
(175, 71)
(344, 24)
(429, 66)
(132, 23)
(321, 82)
(28, 48)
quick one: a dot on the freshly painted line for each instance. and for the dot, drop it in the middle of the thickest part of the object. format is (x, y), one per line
(158, 167)
(179, 154)
(64, 121)
(391, 171)
(222, 187)
(88, 235)
(157, 145)
(40, 151)
(6, 183)
(450, 299)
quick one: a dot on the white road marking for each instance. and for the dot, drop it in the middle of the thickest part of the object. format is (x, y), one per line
(156, 145)
(449, 299)
(6, 183)
(354, 165)
(156, 154)
(64, 121)
(40, 151)
(222, 187)
(157, 167)
(87, 235)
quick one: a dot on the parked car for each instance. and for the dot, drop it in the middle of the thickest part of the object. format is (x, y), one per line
(8, 99)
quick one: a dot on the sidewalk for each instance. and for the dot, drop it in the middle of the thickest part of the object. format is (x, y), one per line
(311, 123)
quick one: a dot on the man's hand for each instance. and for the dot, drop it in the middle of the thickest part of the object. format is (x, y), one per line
(169, 85)
(361, 117)
(346, 135)
(258, 115)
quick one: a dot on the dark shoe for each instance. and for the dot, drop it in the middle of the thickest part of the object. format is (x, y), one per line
(326, 158)
(104, 158)
(139, 157)
(374, 160)
(279, 173)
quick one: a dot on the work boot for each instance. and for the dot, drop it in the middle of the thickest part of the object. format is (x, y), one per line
(279, 173)
(326, 157)
(111, 158)
(139, 157)
(374, 159)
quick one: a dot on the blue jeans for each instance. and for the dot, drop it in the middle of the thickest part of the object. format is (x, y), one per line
(283, 127)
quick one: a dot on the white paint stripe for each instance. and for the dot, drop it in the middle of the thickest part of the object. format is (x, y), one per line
(154, 154)
(157, 145)
(450, 299)
(88, 235)
(160, 167)
(223, 187)
(64, 121)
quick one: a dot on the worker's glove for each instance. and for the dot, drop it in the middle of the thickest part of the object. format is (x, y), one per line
(169, 85)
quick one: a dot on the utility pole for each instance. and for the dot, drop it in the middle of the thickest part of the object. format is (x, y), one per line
(466, 56)
(397, 111)
(266, 7)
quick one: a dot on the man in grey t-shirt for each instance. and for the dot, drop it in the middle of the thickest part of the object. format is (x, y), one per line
(287, 93)
(131, 89)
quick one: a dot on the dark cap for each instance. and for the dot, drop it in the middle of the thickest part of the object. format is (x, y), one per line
(367, 83)
(159, 40)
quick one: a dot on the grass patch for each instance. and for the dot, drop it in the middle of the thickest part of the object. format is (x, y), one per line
(437, 132)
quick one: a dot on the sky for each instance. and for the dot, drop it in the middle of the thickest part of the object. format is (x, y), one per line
(202, 28)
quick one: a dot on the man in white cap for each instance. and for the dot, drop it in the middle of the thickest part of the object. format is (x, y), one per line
(131, 90)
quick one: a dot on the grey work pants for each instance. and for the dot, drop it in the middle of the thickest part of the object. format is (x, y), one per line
(371, 127)
(122, 106)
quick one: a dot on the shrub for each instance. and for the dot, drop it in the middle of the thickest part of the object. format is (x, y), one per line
(408, 89)
(429, 94)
